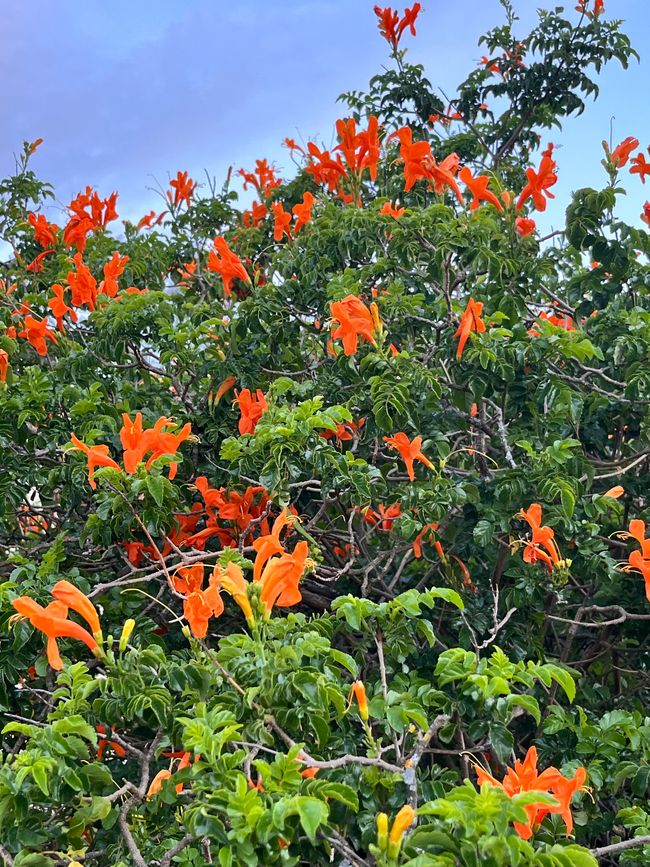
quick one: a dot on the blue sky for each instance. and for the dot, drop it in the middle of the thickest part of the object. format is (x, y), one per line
(126, 93)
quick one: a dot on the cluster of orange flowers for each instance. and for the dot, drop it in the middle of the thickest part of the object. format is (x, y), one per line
(276, 577)
(355, 321)
(54, 622)
(136, 443)
(524, 777)
(392, 26)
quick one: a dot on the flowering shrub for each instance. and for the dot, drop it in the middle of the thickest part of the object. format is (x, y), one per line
(322, 521)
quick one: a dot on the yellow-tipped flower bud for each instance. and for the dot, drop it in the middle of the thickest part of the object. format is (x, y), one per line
(401, 824)
(127, 629)
(382, 831)
(359, 692)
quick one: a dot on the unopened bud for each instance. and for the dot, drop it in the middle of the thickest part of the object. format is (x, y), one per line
(127, 629)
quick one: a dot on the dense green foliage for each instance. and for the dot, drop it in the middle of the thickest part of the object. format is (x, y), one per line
(469, 653)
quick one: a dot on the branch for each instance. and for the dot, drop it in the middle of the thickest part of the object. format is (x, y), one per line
(166, 860)
(634, 843)
(8, 860)
(623, 615)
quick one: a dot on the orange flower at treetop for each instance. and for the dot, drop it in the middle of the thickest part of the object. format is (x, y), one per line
(150, 220)
(4, 364)
(37, 332)
(358, 691)
(524, 777)
(360, 149)
(539, 183)
(478, 187)
(45, 233)
(639, 561)
(391, 26)
(252, 407)
(410, 451)
(58, 306)
(282, 221)
(227, 264)
(302, 211)
(640, 166)
(389, 210)
(524, 226)
(255, 215)
(470, 322)
(54, 623)
(621, 153)
(89, 213)
(542, 545)
(98, 456)
(583, 6)
(355, 321)
(183, 187)
(199, 605)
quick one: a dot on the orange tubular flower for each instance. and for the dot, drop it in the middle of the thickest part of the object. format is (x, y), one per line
(282, 221)
(281, 577)
(640, 166)
(72, 597)
(97, 457)
(615, 492)
(37, 331)
(470, 322)
(137, 442)
(252, 408)
(157, 782)
(4, 365)
(427, 531)
(183, 187)
(478, 187)
(639, 561)
(410, 451)
(82, 284)
(53, 622)
(524, 226)
(355, 320)
(59, 308)
(199, 605)
(112, 270)
(227, 264)
(232, 581)
(539, 183)
(392, 27)
(389, 210)
(269, 545)
(542, 545)
(416, 156)
(358, 691)
(524, 777)
(621, 153)
(150, 220)
(44, 233)
(302, 211)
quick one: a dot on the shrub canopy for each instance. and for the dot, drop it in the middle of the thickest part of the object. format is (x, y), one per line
(322, 520)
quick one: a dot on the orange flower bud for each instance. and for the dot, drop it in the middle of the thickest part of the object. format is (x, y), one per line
(359, 693)
(401, 823)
